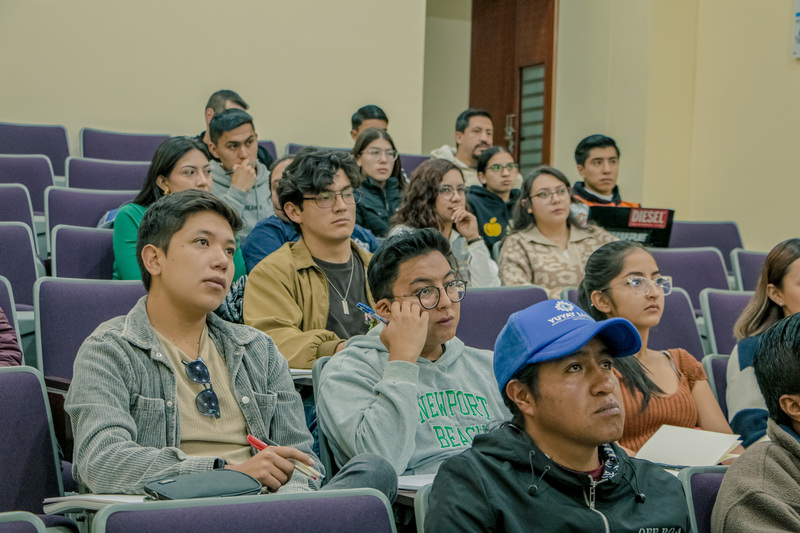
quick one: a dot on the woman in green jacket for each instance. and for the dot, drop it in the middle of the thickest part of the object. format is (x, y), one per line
(180, 163)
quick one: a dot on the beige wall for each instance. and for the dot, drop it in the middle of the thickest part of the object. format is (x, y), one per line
(149, 66)
(703, 96)
(446, 84)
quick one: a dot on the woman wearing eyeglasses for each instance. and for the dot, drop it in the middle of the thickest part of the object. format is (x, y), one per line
(382, 188)
(658, 387)
(493, 200)
(547, 245)
(436, 198)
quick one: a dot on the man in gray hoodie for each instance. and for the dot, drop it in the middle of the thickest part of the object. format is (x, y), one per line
(238, 178)
(409, 390)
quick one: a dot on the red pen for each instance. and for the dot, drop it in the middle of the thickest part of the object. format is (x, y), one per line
(259, 445)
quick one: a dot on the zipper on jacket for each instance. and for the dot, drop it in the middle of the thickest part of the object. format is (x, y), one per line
(590, 502)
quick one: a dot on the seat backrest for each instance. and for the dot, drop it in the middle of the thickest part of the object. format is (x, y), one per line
(410, 162)
(7, 304)
(33, 171)
(485, 311)
(692, 269)
(18, 261)
(677, 328)
(716, 368)
(421, 506)
(294, 148)
(84, 173)
(721, 310)
(335, 511)
(60, 330)
(325, 452)
(26, 139)
(269, 146)
(15, 204)
(100, 144)
(723, 236)
(747, 268)
(80, 207)
(21, 522)
(86, 253)
(570, 294)
(701, 486)
(28, 453)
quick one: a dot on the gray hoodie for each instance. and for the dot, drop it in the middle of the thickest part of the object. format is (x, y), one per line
(252, 205)
(413, 415)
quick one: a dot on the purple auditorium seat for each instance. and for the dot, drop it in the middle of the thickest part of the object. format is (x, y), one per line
(721, 310)
(336, 511)
(21, 522)
(747, 268)
(100, 144)
(18, 262)
(716, 368)
(32, 171)
(80, 207)
(701, 486)
(692, 269)
(83, 173)
(28, 139)
(724, 236)
(294, 148)
(485, 311)
(68, 310)
(410, 162)
(7, 304)
(15, 204)
(677, 328)
(269, 146)
(28, 454)
(86, 253)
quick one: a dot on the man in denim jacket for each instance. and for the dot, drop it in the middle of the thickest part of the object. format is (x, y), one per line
(172, 389)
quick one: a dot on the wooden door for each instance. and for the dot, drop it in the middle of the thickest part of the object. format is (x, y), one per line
(512, 73)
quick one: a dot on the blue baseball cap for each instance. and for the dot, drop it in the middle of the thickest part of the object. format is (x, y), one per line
(554, 329)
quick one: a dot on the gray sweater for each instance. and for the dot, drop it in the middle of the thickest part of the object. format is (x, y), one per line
(252, 205)
(413, 415)
(125, 414)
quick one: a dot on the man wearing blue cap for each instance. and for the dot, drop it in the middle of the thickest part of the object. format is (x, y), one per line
(555, 466)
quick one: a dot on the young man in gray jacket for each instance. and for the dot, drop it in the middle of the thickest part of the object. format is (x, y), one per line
(172, 389)
(238, 177)
(410, 391)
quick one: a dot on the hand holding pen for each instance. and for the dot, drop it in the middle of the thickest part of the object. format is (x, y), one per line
(371, 313)
(260, 445)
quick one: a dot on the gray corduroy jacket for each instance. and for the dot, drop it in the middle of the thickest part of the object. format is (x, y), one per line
(125, 414)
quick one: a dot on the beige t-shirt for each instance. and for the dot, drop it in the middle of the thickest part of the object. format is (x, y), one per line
(200, 435)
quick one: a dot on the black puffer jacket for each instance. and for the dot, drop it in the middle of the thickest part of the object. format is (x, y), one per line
(377, 205)
(505, 483)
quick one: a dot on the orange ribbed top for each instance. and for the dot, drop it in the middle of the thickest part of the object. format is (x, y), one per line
(676, 409)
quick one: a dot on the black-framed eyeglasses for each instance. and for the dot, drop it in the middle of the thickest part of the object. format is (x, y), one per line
(206, 401)
(497, 167)
(327, 199)
(642, 285)
(429, 296)
(559, 193)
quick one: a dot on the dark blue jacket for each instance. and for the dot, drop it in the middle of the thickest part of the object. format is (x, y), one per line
(492, 212)
(377, 205)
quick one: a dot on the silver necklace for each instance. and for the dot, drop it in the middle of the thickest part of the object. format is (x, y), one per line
(345, 307)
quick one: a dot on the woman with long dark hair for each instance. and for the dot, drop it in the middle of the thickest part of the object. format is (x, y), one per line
(436, 198)
(777, 296)
(658, 386)
(382, 188)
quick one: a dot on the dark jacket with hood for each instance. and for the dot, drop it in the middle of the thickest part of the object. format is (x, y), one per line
(505, 483)
(580, 193)
(377, 205)
(492, 212)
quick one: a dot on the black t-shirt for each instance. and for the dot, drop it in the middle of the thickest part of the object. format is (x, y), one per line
(345, 319)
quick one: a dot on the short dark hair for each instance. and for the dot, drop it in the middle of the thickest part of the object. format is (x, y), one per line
(462, 122)
(368, 112)
(486, 155)
(227, 120)
(384, 266)
(592, 141)
(217, 100)
(167, 216)
(777, 365)
(367, 137)
(528, 376)
(166, 157)
(312, 172)
(281, 159)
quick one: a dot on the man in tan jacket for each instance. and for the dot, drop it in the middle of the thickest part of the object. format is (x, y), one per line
(304, 295)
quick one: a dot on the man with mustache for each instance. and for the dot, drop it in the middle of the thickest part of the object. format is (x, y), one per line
(409, 390)
(474, 130)
(555, 466)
